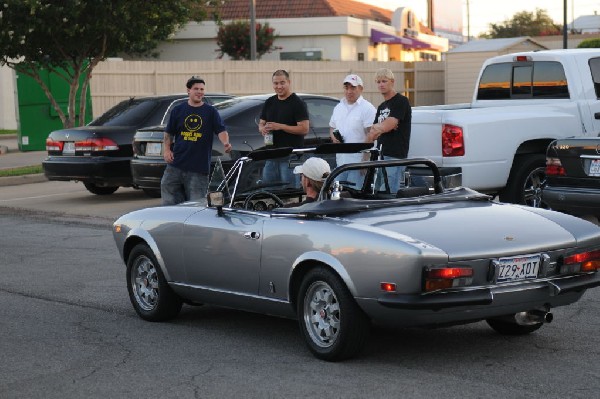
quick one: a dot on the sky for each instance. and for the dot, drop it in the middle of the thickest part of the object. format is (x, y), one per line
(484, 12)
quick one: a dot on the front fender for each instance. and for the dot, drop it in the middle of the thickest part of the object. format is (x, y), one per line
(136, 235)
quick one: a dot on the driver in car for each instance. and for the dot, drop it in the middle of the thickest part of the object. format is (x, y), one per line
(313, 173)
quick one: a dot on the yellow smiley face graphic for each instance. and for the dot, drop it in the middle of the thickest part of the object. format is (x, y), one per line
(193, 122)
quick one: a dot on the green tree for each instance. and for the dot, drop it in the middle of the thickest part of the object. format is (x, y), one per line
(70, 37)
(234, 40)
(589, 43)
(525, 23)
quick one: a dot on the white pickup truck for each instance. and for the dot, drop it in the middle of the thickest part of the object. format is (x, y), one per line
(521, 103)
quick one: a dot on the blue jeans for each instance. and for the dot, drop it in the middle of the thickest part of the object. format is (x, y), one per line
(395, 176)
(177, 186)
(277, 170)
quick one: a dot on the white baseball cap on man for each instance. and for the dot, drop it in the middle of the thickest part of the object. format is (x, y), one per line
(354, 80)
(314, 168)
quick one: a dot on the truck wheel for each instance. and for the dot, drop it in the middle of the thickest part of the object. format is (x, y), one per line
(526, 180)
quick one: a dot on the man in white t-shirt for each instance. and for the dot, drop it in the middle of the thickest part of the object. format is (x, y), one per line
(352, 117)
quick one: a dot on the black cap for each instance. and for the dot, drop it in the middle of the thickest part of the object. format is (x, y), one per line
(192, 80)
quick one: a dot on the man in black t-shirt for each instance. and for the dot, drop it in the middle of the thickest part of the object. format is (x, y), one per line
(283, 123)
(391, 128)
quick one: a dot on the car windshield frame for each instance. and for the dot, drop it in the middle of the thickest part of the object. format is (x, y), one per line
(231, 185)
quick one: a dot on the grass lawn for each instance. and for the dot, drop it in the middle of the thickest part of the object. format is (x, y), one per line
(25, 170)
(2, 131)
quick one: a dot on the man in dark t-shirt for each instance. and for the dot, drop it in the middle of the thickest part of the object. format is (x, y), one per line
(391, 128)
(283, 123)
(191, 128)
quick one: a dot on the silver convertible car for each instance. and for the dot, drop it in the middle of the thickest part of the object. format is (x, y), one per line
(360, 255)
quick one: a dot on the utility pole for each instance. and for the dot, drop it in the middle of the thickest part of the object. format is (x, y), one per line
(468, 23)
(253, 30)
(564, 24)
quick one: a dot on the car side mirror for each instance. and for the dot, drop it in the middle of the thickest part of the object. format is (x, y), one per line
(217, 200)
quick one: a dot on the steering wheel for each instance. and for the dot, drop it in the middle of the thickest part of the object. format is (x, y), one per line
(248, 204)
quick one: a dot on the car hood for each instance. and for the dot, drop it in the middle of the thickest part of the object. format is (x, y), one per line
(479, 229)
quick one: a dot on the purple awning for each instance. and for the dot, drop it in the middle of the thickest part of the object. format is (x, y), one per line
(382, 37)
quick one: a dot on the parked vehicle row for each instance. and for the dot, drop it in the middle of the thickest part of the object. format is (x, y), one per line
(241, 116)
(521, 103)
(99, 154)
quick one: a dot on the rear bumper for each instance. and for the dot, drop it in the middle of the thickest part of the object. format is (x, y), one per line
(147, 173)
(485, 296)
(457, 307)
(578, 201)
(108, 171)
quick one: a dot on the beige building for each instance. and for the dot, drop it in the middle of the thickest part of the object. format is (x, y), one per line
(337, 30)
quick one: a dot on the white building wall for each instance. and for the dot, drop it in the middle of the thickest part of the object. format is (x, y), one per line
(8, 119)
(340, 39)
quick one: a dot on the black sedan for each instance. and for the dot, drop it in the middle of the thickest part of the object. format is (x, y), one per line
(99, 153)
(573, 176)
(241, 116)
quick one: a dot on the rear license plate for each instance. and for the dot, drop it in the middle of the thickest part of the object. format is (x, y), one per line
(519, 268)
(69, 147)
(153, 149)
(594, 168)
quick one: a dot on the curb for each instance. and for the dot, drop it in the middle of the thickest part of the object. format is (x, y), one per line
(25, 179)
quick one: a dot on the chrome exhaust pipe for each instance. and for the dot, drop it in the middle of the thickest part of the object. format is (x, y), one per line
(533, 317)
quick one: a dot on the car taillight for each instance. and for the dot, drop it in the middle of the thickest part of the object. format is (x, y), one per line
(581, 262)
(448, 277)
(95, 145)
(453, 143)
(554, 167)
(52, 145)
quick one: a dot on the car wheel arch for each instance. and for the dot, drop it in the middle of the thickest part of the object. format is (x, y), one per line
(136, 237)
(309, 261)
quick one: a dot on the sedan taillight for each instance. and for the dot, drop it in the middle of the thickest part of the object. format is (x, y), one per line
(453, 143)
(52, 145)
(554, 167)
(95, 145)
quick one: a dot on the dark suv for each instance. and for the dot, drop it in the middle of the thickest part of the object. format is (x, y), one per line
(241, 116)
(99, 154)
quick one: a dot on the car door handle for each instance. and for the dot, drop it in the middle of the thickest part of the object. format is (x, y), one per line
(252, 235)
(597, 115)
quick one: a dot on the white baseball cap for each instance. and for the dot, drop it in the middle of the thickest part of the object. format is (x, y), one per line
(354, 80)
(315, 169)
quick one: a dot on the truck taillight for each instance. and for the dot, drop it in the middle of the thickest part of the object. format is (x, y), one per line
(522, 58)
(453, 143)
(554, 167)
(52, 145)
(447, 277)
(96, 144)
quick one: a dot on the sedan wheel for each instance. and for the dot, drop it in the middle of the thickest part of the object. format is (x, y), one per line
(333, 325)
(100, 190)
(149, 293)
